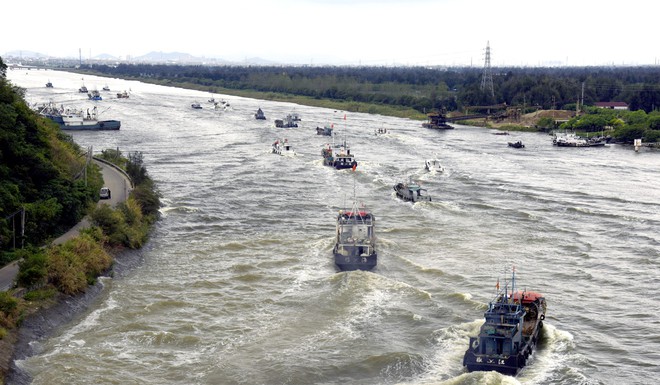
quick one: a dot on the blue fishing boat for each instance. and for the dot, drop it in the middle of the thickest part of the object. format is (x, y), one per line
(510, 332)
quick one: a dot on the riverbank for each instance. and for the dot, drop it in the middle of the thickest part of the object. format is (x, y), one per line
(46, 317)
(343, 105)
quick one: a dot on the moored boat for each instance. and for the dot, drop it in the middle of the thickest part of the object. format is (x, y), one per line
(510, 332)
(355, 244)
(71, 119)
(341, 159)
(437, 121)
(411, 192)
(569, 139)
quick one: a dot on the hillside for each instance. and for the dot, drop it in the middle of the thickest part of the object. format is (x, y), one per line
(40, 175)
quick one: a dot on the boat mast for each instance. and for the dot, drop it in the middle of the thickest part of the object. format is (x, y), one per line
(513, 281)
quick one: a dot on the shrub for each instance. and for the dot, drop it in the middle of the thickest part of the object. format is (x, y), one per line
(32, 270)
(40, 294)
(8, 304)
(77, 262)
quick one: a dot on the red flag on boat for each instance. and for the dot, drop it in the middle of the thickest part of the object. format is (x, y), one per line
(497, 285)
(354, 166)
(344, 116)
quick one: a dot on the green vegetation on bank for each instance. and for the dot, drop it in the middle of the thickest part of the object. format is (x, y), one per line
(46, 187)
(411, 92)
(625, 126)
(420, 88)
(72, 266)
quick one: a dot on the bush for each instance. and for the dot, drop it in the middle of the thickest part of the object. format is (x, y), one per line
(651, 136)
(76, 263)
(40, 294)
(32, 270)
(8, 304)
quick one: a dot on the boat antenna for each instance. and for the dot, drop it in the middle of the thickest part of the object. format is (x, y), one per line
(513, 281)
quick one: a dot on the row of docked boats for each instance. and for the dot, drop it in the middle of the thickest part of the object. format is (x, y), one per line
(569, 139)
(77, 119)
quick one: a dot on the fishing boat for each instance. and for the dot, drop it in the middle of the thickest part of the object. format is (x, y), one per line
(411, 192)
(325, 130)
(83, 89)
(283, 148)
(122, 95)
(510, 332)
(437, 121)
(73, 119)
(433, 165)
(355, 244)
(287, 122)
(49, 84)
(106, 88)
(569, 139)
(341, 159)
(259, 115)
(518, 144)
(196, 106)
(94, 95)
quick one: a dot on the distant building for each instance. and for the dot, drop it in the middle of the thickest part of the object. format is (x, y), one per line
(612, 105)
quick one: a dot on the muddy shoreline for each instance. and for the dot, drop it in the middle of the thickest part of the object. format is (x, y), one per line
(46, 321)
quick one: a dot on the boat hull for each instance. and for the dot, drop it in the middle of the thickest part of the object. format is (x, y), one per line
(355, 262)
(339, 165)
(505, 364)
(90, 125)
(105, 125)
(411, 197)
(509, 365)
(437, 126)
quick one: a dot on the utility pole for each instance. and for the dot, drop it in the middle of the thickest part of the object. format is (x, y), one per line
(487, 77)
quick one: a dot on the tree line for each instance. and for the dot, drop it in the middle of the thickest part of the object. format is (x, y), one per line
(422, 88)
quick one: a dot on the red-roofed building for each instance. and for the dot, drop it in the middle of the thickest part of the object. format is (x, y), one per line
(612, 105)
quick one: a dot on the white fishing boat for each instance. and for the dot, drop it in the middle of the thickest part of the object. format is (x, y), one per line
(283, 148)
(433, 165)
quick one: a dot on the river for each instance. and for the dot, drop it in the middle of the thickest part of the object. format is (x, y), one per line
(237, 284)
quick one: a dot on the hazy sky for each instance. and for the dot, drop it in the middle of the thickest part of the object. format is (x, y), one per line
(369, 32)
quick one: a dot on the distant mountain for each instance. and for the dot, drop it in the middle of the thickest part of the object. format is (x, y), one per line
(26, 54)
(167, 57)
(151, 57)
(105, 56)
(259, 61)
